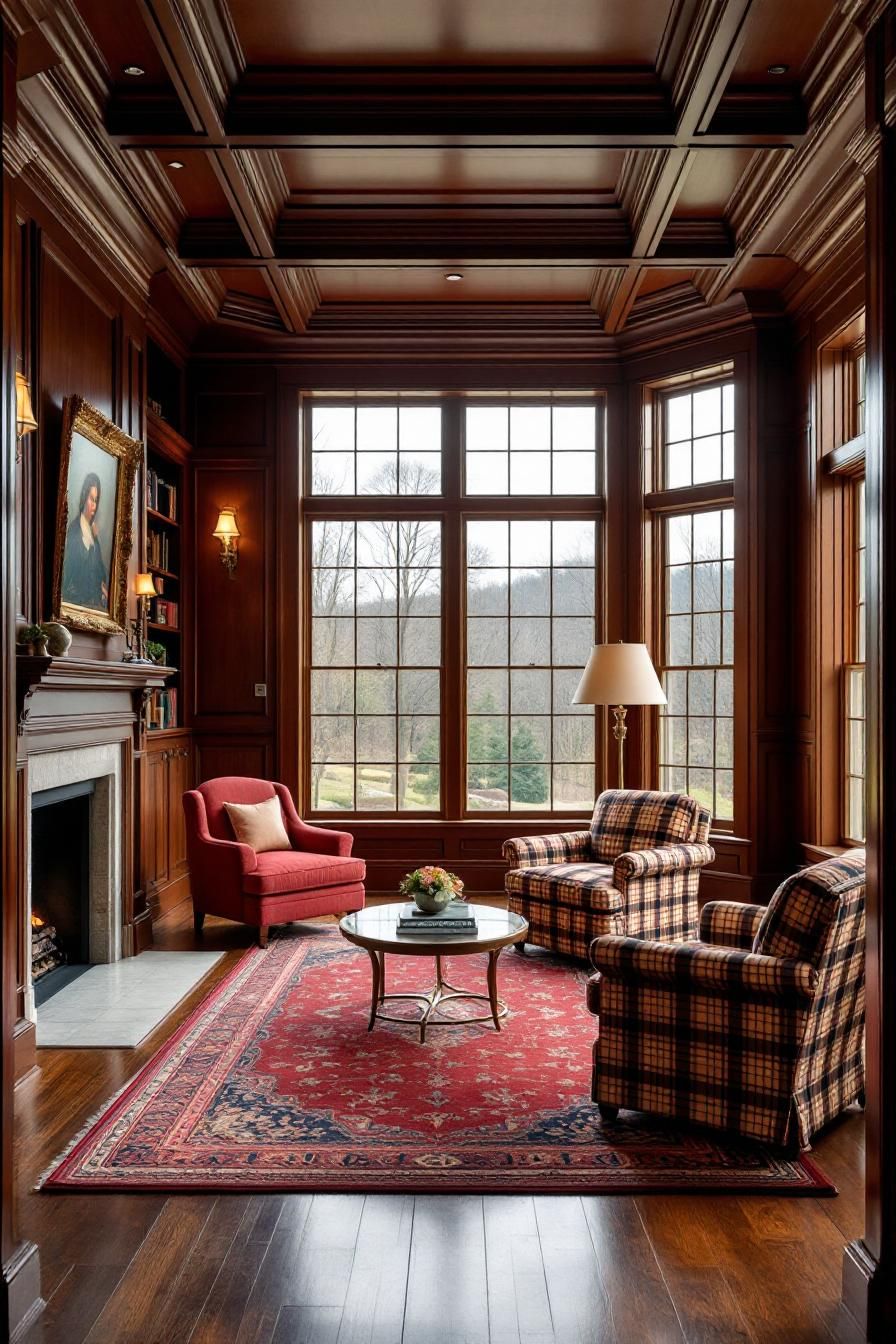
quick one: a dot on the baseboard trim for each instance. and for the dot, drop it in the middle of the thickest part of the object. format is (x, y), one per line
(21, 1287)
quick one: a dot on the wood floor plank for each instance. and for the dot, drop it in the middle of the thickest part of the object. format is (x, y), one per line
(640, 1304)
(377, 1287)
(191, 1287)
(519, 1310)
(309, 1325)
(78, 1301)
(130, 1313)
(222, 1315)
(580, 1310)
(447, 1298)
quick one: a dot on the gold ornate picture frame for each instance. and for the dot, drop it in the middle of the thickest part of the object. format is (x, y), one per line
(94, 520)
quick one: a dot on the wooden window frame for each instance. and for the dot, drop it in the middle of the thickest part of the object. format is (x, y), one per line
(453, 509)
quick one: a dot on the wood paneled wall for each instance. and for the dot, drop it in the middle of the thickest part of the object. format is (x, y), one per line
(235, 421)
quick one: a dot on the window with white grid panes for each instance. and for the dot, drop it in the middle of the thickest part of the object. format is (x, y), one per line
(376, 449)
(698, 436)
(531, 450)
(376, 654)
(854, 684)
(530, 601)
(696, 743)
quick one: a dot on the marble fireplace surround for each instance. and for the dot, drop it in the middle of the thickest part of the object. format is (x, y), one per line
(102, 766)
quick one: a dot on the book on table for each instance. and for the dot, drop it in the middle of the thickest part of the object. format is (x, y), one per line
(455, 918)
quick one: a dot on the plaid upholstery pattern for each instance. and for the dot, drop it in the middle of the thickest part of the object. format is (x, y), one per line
(692, 965)
(768, 1046)
(625, 820)
(588, 886)
(646, 887)
(537, 850)
(798, 920)
(730, 924)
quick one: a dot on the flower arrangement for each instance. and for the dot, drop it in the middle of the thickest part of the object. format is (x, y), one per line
(432, 888)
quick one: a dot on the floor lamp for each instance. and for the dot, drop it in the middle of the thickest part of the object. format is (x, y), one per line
(619, 675)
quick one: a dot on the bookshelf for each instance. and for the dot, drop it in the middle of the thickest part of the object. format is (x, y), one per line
(166, 458)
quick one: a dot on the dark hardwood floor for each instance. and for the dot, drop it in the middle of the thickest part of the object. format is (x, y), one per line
(392, 1269)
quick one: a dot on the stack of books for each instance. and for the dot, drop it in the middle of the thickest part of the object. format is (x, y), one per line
(455, 918)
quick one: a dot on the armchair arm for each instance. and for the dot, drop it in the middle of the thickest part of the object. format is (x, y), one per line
(319, 839)
(663, 859)
(532, 851)
(730, 924)
(711, 970)
(223, 863)
(311, 839)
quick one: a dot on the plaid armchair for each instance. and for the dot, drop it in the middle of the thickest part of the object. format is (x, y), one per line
(635, 871)
(758, 1028)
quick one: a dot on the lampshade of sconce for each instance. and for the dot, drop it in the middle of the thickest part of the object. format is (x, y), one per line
(226, 527)
(619, 674)
(25, 421)
(144, 585)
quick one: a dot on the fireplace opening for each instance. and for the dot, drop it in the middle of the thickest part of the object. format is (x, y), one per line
(60, 876)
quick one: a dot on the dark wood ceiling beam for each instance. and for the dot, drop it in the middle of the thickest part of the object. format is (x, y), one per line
(699, 81)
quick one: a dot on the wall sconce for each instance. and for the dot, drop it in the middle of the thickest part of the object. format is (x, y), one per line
(25, 421)
(228, 533)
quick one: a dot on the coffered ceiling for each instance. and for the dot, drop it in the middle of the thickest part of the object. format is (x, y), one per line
(574, 153)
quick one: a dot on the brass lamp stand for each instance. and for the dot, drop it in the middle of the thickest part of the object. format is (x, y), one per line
(617, 675)
(619, 732)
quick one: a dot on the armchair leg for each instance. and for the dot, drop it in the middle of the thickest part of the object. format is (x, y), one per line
(607, 1112)
(520, 948)
(263, 935)
(198, 921)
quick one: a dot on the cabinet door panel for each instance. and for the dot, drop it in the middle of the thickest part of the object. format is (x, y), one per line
(180, 778)
(154, 820)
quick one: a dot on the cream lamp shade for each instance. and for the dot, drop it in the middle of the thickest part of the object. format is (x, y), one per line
(144, 585)
(25, 421)
(226, 527)
(619, 675)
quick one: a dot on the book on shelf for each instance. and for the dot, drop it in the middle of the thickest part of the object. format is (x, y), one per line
(165, 612)
(158, 549)
(161, 711)
(456, 918)
(161, 495)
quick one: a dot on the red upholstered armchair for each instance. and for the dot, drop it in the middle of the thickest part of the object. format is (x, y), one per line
(317, 876)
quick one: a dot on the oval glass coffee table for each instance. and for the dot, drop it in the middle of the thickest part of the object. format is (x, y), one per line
(375, 929)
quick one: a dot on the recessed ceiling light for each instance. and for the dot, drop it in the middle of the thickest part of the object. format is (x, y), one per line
(135, 70)
(454, 275)
(175, 163)
(778, 69)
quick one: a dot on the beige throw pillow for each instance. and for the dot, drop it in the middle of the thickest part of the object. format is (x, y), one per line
(259, 825)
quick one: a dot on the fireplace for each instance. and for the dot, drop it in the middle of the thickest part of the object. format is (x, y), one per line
(60, 886)
(75, 860)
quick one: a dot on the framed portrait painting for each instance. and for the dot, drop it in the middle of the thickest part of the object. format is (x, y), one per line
(97, 471)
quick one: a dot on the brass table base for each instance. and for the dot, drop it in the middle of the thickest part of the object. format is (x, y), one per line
(435, 998)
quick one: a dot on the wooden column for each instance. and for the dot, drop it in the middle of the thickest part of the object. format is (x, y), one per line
(869, 1272)
(20, 1279)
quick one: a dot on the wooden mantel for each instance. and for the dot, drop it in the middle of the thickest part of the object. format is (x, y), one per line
(70, 686)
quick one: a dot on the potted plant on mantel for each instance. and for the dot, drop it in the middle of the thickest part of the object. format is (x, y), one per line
(32, 640)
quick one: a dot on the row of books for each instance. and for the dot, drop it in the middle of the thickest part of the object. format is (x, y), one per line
(158, 550)
(161, 711)
(164, 612)
(161, 495)
(455, 918)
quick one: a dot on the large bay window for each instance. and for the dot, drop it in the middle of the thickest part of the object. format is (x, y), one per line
(451, 584)
(854, 680)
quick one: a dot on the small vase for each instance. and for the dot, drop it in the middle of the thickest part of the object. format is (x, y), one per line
(58, 639)
(433, 902)
(40, 646)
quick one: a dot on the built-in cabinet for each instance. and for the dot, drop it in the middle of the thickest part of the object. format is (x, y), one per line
(167, 771)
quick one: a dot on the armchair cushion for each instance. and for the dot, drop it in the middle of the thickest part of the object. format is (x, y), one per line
(585, 886)
(536, 850)
(693, 966)
(641, 862)
(626, 820)
(258, 825)
(292, 870)
(730, 924)
(803, 910)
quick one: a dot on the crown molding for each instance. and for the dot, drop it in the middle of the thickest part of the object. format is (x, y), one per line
(250, 310)
(665, 303)
(607, 280)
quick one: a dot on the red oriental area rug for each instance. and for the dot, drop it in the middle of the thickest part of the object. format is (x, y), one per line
(274, 1083)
